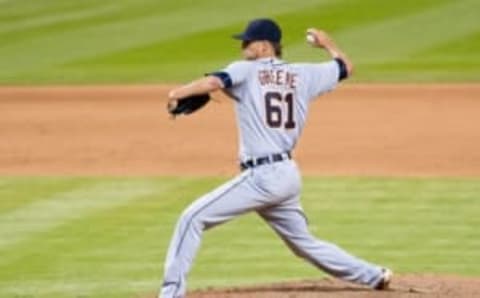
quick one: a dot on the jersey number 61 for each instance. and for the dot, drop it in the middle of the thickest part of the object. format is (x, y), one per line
(275, 105)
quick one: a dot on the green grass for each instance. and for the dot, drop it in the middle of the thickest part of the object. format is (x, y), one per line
(107, 237)
(151, 41)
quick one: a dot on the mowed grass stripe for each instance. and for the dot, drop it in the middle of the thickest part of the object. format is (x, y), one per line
(219, 43)
(402, 223)
(409, 217)
(45, 214)
(214, 48)
(148, 41)
(17, 193)
(94, 15)
(12, 11)
(396, 38)
(453, 52)
(95, 39)
(123, 243)
(34, 25)
(341, 16)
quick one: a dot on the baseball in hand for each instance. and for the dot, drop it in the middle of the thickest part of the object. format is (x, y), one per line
(311, 39)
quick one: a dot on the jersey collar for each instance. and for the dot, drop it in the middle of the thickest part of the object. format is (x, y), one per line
(271, 60)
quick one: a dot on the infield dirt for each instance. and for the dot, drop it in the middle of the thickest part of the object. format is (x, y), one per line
(406, 286)
(375, 130)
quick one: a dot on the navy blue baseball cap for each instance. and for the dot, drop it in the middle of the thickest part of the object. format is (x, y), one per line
(261, 29)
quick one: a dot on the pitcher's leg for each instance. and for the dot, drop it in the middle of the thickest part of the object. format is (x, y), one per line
(289, 222)
(229, 200)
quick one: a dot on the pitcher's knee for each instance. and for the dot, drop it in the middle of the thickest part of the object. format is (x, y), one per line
(192, 220)
(299, 252)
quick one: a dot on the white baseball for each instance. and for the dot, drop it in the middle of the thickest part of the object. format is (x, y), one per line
(311, 39)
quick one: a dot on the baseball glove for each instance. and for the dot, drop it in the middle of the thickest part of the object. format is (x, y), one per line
(187, 105)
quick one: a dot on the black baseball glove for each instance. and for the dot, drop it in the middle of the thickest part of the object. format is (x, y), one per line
(187, 105)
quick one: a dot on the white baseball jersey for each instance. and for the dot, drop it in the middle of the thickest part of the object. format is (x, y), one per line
(272, 99)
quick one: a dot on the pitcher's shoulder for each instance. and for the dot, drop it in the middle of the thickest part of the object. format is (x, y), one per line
(241, 63)
(240, 66)
(304, 64)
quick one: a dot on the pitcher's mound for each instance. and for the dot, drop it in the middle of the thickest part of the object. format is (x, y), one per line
(424, 286)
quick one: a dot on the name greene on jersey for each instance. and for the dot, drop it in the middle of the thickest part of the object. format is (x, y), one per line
(278, 77)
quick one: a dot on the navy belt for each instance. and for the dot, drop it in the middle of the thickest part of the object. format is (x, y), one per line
(254, 162)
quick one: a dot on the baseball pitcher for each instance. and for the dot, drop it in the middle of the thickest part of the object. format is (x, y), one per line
(272, 98)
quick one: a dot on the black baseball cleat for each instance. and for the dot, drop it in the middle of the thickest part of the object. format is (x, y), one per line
(384, 283)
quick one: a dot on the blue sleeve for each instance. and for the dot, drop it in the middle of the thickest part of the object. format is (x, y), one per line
(224, 77)
(342, 68)
(234, 74)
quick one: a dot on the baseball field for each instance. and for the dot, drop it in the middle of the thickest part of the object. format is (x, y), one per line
(94, 174)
